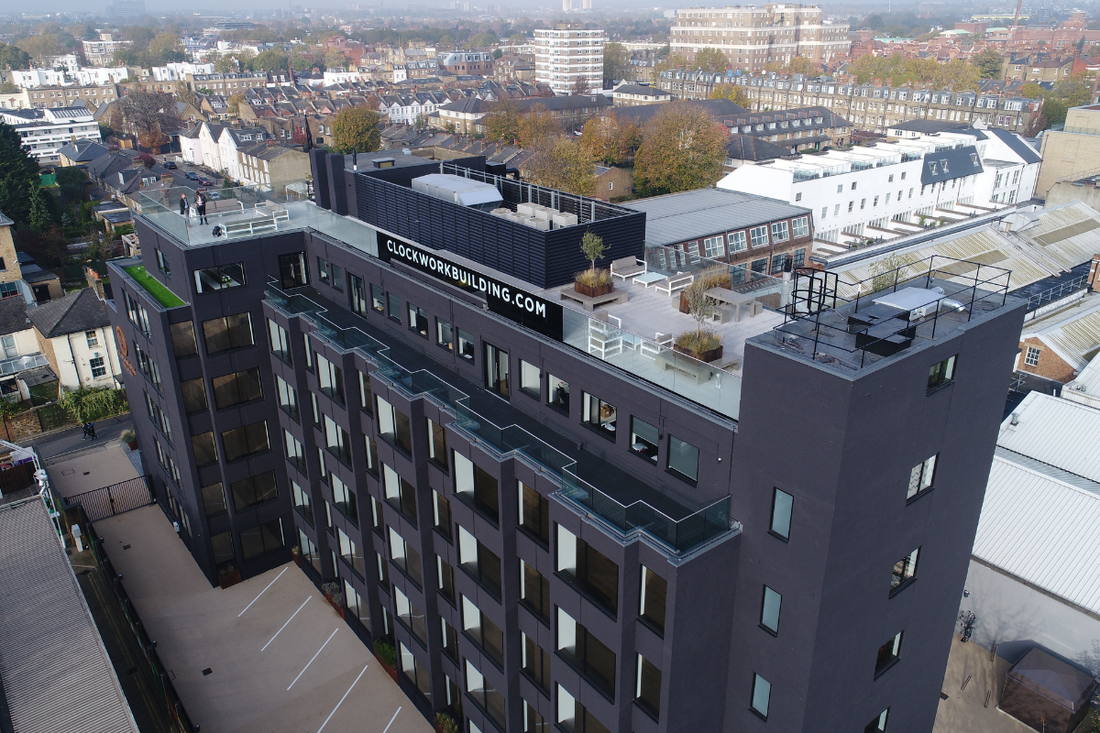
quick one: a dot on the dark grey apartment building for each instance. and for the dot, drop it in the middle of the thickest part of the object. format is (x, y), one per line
(560, 523)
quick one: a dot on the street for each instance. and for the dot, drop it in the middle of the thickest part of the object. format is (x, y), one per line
(65, 442)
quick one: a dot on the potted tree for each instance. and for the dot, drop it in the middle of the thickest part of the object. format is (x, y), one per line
(334, 594)
(701, 344)
(445, 723)
(387, 656)
(129, 439)
(593, 282)
(295, 554)
(712, 277)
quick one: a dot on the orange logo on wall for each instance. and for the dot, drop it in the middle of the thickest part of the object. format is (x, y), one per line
(120, 341)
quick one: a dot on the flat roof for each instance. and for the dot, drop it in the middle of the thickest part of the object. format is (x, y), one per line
(678, 217)
(56, 673)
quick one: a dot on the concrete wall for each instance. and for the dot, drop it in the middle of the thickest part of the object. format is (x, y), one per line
(1066, 155)
(1066, 192)
(1017, 617)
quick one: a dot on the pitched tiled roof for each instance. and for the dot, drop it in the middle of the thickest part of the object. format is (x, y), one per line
(76, 312)
(13, 315)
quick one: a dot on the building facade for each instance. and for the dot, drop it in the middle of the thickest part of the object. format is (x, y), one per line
(568, 52)
(45, 131)
(410, 409)
(752, 37)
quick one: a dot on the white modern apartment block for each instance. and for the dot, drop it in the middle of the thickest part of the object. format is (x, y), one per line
(897, 188)
(178, 71)
(85, 77)
(566, 52)
(753, 36)
(100, 53)
(46, 131)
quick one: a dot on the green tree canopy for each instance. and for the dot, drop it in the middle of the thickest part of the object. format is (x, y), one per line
(682, 149)
(732, 92)
(711, 59)
(561, 163)
(610, 139)
(616, 61)
(355, 130)
(18, 174)
(13, 57)
(271, 60)
(988, 63)
(165, 48)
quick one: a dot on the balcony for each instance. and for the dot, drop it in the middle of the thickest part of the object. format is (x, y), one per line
(492, 424)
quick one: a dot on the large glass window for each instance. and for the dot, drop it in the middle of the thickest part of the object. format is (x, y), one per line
(574, 717)
(441, 515)
(533, 722)
(644, 438)
(219, 277)
(653, 594)
(589, 570)
(357, 294)
(920, 478)
(483, 632)
(445, 577)
(322, 270)
(230, 332)
(204, 449)
(530, 379)
(737, 241)
(213, 499)
(292, 270)
(878, 725)
(599, 414)
(254, 490)
(355, 603)
(351, 553)
(393, 307)
(780, 232)
(591, 657)
(302, 503)
(337, 441)
(496, 370)
(484, 696)
(683, 458)
(904, 571)
(414, 672)
(759, 236)
(393, 426)
(183, 339)
(280, 341)
(536, 663)
(761, 696)
(782, 506)
(294, 453)
(224, 555)
(534, 514)
(714, 246)
(941, 373)
(330, 378)
(557, 393)
(437, 445)
(245, 441)
(237, 388)
(406, 558)
(478, 561)
(418, 320)
(476, 487)
(647, 687)
(288, 398)
(366, 395)
(800, 227)
(888, 654)
(137, 313)
(262, 539)
(466, 345)
(444, 334)
(400, 494)
(377, 299)
(450, 640)
(344, 499)
(194, 395)
(769, 611)
(534, 591)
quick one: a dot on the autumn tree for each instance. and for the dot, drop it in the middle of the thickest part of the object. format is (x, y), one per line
(732, 92)
(683, 148)
(988, 63)
(18, 172)
(616, 62)
(233, 104)
(147, 114)
(518, 39)
(42, 48)
(536, 124)
(561, 163)
(502, 122)
(803, 65)
(355, 130)
(13, 57)
(271, 60)
(712, 60)
(580, 86)
(610, 139)
(165, 48)
(334, 58)
(225, 65)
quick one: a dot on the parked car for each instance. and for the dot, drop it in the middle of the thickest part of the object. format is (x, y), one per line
(205, 181)
(191, 176)
(212, 195)
(170, 165)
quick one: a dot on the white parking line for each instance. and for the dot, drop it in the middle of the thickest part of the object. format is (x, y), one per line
(314, 657)
(345, 697)
(287, 622)
(262, 592)
(389, 723)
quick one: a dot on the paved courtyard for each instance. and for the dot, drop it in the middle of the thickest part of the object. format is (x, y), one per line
(964, 710)
(98, 465)
(280, 659)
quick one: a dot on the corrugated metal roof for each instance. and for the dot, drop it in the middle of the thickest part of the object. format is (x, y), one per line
(678, 217)
(57, 675)
(1057, 432)
(1073, 334)
(1041, 530)
(1067, 234)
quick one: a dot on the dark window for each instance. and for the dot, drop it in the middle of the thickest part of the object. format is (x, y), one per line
(450, 640)
(366, 395)
(254, 490)
(377, 522)
(921, 477)
(465, 345)
(534, 514)
(654, 593)
(194, 395)
(534, 591)
(337, 278)
(644, 438)
(219, 277)
(586, 653)
(496, 370)
(557, 393)
(280, 341)
(236, 388)
(760, 265)
(530, 379)
(393, 426)
(213, 499)
(588, 570)
(888, 655)
(224, 555)
(376, 299)
(574, 717)
(344, 499)
(302, 503)
(769, 611)
(135, 311)
(941, 374)
(183, 339)
(418, 320)
(204, 449)
(761, 696)
(599, 414)
(536, 663)
(647, 687)
(292, 270)
(330, 378)
(904, 571)
(357, 294)
(288, 398)
(437, 445)
(262, 539)
(245, 441)
(414, 672)
(400, 494)
(478, 561)
(485, 634)
(393, 307)
(446, 577)
(782, 504)
(337, 441)
(444, 334)
(683, 458)
(441, 509)
(476, 487)
(533, 722)
(352, 553)
(406, 558)
(489, 700)
(878, 725)
(230, 332)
